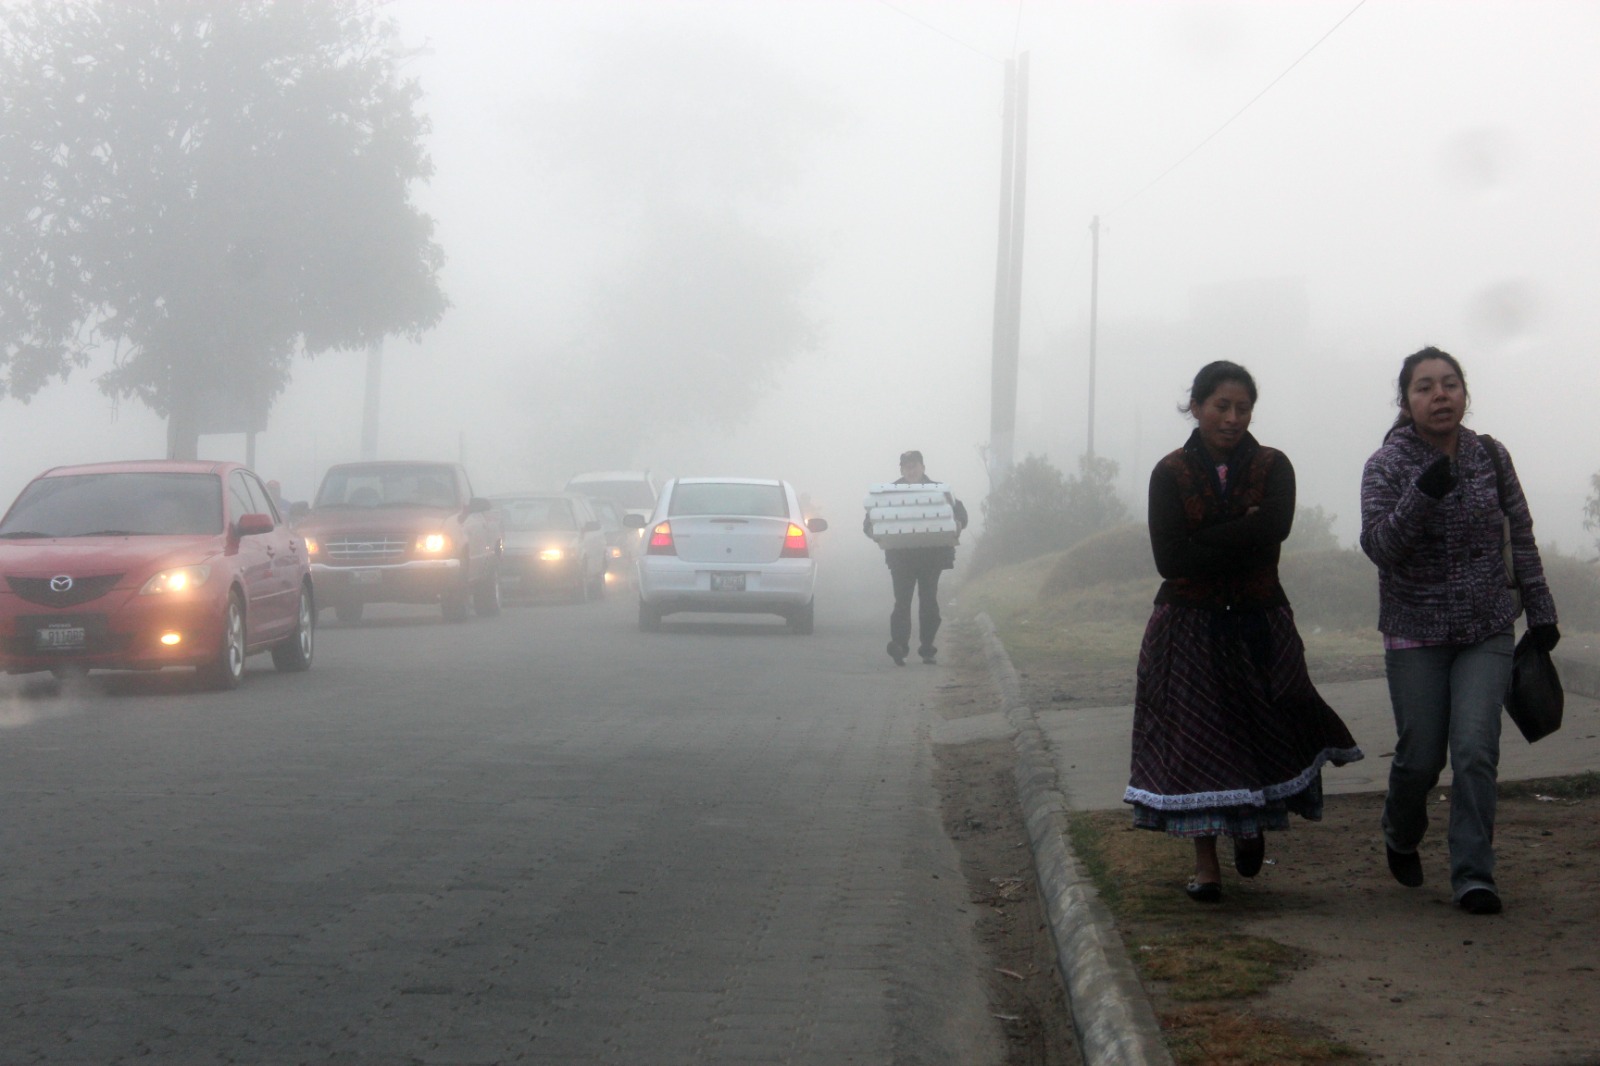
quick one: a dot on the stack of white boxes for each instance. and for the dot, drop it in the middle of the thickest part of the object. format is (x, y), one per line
(912, 516)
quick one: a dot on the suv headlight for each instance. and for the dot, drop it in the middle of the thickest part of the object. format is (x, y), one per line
(433, 544)
(178, 580)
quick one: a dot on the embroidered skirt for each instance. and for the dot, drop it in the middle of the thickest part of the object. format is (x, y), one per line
(1229, 734)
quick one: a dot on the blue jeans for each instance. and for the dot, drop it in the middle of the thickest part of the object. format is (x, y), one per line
(1447, 699)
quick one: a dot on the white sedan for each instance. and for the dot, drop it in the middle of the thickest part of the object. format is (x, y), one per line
(727, 544)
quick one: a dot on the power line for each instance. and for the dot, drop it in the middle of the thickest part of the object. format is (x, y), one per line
(1236, 114)
(942, 33)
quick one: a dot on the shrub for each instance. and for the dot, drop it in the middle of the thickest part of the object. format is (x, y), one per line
(1575, 584)
(1334, 589)
(1120, 554)
(1037, 510)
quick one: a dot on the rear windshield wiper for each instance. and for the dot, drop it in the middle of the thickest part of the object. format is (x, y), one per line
(26, 534)
(112, 533)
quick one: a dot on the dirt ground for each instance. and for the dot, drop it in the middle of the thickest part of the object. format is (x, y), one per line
(1400, 975)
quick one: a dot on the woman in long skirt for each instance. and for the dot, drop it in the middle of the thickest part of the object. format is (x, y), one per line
(1229, 734)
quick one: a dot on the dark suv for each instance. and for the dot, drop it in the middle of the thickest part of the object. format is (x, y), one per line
(402, 532)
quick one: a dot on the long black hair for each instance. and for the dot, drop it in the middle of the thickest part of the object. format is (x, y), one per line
(1408, 369)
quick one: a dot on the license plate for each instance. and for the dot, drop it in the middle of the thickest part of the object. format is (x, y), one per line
(366, 577)
(727, 582)
(52, 637)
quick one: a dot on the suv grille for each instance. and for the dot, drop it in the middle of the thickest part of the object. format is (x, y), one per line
(368, 548)
(38, 590)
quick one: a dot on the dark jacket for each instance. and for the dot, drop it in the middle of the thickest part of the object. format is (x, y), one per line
(1211, 550)
(1441, 574)
(924, 558)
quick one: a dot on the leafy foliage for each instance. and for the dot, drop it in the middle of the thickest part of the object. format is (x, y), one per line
(205, 188)
(1037, 510)
(1312, 532)
(1591, 507)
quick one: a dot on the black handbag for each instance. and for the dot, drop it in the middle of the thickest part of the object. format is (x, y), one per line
(1535, 699)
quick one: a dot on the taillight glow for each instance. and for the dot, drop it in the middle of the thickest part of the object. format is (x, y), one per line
(661, 540)
(794, 543)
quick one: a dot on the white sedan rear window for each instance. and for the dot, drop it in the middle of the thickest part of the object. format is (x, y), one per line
(725, 498)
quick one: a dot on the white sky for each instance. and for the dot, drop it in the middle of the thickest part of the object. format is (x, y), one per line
(1428, 174)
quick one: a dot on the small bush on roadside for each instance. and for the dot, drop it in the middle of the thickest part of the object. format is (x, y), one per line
(1038, 510)
(1120, 554)
(1575, 584)
(1334, 589)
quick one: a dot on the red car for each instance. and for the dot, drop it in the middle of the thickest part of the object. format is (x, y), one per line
(141, 565)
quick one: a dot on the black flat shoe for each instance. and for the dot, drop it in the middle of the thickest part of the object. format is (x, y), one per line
(1248, 854)
(897, 652)
(1204, 891)
(1480, 901)
(1407, 869)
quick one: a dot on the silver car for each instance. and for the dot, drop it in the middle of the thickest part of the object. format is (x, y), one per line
(739, 545)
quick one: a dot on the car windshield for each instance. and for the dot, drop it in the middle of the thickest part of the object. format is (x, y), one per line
(633, 493)
(728, 498)
(387, 486)
(536, 515)
(117, 504)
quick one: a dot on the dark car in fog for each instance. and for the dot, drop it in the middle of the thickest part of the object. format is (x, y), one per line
(553, 544)
(622, 543)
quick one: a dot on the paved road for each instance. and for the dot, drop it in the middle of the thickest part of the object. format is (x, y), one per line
(540, 838)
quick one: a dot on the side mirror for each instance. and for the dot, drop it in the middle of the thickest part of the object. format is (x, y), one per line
(591, 526)
(299, 509)
(816, 525)
(251, 524)
(479, 505)
(634, 521)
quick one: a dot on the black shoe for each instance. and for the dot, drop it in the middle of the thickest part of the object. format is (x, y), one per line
(1204, 891)
(928, 653)
(1480, 901)
(1248, 854)
(1407, 869)
(897, 652)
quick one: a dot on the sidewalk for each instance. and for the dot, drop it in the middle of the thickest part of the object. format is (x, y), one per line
(1078, 760)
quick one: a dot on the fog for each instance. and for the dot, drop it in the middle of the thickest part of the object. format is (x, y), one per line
(1427, 174)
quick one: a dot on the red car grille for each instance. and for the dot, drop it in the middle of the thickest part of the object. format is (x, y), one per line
(45, 591)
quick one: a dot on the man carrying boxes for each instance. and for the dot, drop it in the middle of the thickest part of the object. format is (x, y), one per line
(918, 523)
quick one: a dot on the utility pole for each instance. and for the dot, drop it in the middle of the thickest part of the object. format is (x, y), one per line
(1094, 313)
(369, 412)
(1008, 273)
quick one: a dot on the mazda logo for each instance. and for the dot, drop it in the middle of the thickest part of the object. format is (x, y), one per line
(61, 583)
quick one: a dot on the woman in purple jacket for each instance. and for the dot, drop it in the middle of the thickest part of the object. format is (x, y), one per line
(1431, 518)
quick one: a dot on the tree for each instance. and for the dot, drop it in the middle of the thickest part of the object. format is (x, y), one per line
(1312, 532)
(1037, 510)
(1591, 507)
(205, 189)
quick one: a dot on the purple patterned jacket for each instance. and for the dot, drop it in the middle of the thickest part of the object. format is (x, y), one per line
(1440, 571)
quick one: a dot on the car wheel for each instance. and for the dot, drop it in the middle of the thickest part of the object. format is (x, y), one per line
(458, 597)
(597, 587)
(349, 613)
(803, 621)
(226, 670)
(580, 591)
(649, 618)
(294, 654)
(486, 597)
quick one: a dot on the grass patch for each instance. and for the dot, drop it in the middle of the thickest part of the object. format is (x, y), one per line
(1203, 966)
(1213, 1036)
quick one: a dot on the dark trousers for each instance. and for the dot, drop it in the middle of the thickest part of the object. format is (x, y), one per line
(924, 581)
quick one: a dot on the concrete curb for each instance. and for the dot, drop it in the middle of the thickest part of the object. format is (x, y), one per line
(1111, 1015)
